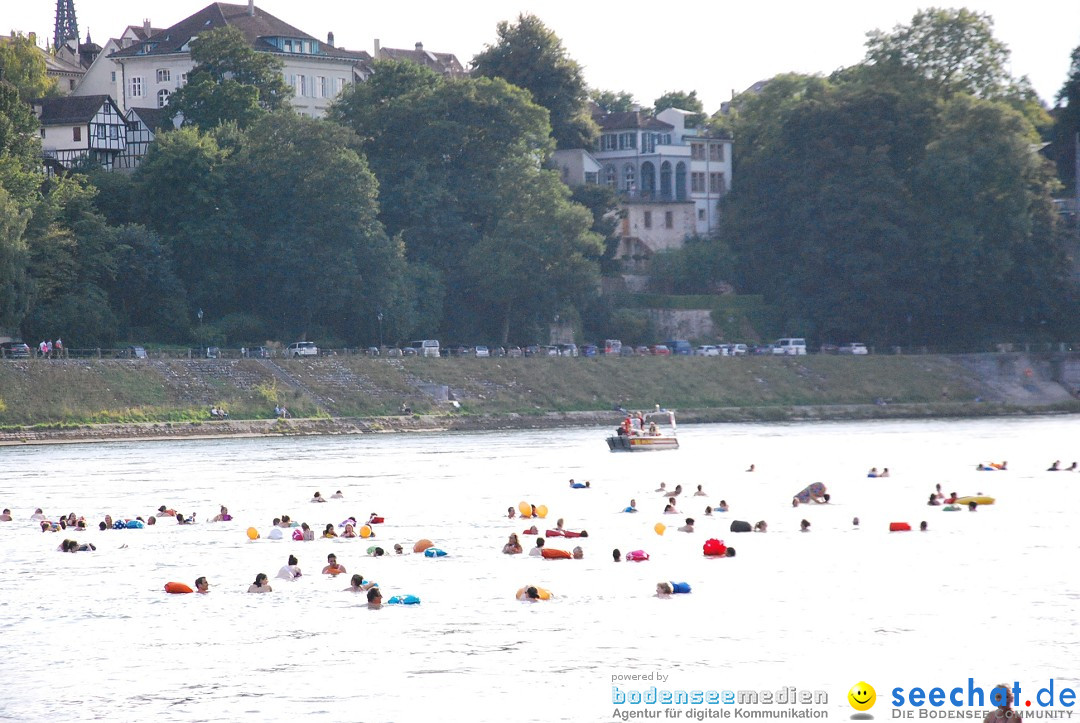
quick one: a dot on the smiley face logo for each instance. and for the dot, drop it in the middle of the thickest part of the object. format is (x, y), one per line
(862, 696)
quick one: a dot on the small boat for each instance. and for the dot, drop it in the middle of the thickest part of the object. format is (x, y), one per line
(643, 434)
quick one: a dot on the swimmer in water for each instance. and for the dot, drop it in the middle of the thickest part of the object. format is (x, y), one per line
(374, 598)
(332, 566)
(261, 584)
(513, 546)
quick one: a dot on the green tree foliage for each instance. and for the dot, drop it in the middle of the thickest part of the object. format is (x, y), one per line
(145, 293)
(696, 268)
(683, 101)
(955, 50)
(73, 257)
(447, 152)
(867, 212)
(181, 189)
(20, 147)
(13, 259)
(611, 101)
(1067, 125)
(23, 65)
(361, 106)
(602, 203)
(535, 255)
(230, 82)
(531, 56)
(301, 189)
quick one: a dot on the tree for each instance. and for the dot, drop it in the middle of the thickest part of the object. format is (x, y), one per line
(868, 212)
(301, 189)
(230, 82)
(953, 49)
(611, 101)
(682, 101)
(146, 293)
(72, 257)
(535, 257)
(531, 56)
(23, 65)
(1065, 134)
(20, 147)
(13, 258)
(360, 105)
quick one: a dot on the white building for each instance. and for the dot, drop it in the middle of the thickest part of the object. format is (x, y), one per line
(669, 178)
(150, 70)
(102, 77)
(75, 127)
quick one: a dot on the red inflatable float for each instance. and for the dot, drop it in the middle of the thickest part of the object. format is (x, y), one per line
(899, 527)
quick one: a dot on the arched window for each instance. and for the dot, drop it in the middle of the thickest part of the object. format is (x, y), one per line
(680, 181)
(609, 176)
(162, 98)
(629, 176)
(648, 177)
(665, 180)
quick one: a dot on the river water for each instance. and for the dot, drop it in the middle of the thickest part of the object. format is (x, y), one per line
(989, 595)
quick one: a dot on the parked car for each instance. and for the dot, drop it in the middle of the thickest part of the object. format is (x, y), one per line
(532, 350)
(590, 350)
(738, 350)
(659, 350)
(642, 351)
(302, 348)
(14, 350)
(707, 350)
(549, 351)
(790, 346)
(568, 350)
(761, 349)
(212, 352)
(829, 348)
(408, 351)
(613, 347)
(855, 347)
(136, 352)
(259, 352)
(514, 351)
(679, 347)
(482, 351)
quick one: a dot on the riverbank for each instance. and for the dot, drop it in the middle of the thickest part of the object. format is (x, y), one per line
(67, 401)
(161, 431)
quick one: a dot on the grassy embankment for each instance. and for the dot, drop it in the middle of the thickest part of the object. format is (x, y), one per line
(78, 392)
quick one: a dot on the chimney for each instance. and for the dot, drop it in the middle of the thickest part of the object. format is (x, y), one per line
(376, 54)
(420, 46)
(251, 8)
(146, 26)
(330, 38)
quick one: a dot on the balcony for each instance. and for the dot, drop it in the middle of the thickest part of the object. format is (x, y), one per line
(637, 196)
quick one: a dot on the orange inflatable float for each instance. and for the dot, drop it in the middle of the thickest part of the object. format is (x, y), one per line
(550, 553)
(177, 588)
(422, 545)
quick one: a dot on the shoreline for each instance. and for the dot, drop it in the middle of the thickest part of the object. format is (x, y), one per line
(442, 423)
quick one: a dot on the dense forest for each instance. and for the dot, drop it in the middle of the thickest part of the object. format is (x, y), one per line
(902, 200)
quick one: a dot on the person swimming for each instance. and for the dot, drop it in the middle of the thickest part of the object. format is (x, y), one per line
(815, 492)
(261, 584)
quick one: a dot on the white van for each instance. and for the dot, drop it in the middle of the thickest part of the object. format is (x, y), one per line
(792, 346)
(425, 347)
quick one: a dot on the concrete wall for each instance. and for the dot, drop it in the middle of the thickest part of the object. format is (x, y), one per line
(683, 323)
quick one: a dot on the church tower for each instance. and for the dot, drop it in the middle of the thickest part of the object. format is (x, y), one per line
(66, 27)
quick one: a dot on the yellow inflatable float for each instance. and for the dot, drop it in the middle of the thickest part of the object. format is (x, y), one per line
(977, 499)
(541, 594)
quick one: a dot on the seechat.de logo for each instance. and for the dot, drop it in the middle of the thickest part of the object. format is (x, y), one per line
(862, 697)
